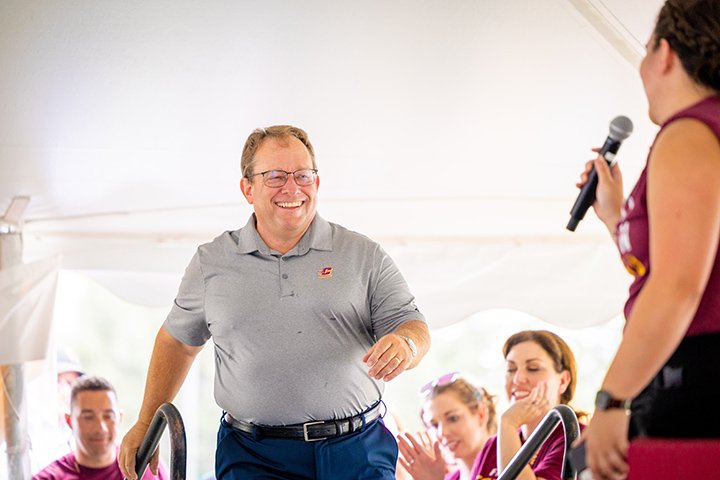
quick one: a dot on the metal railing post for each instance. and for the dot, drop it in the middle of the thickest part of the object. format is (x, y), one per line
(166, 415)
(560, 414)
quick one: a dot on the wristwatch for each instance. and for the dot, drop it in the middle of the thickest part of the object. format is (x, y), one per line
(605, 401)
(411, 344)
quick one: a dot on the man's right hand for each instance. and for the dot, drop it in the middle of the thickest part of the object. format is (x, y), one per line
(169, 364)
(129, 448)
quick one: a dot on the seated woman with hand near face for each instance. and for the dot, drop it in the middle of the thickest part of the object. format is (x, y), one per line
(540, 374)
(461, 417)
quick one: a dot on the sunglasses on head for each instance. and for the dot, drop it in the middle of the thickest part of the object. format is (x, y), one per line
(440, 381)
(447, 379)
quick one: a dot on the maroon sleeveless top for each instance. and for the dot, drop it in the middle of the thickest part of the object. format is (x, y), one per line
(632, 231)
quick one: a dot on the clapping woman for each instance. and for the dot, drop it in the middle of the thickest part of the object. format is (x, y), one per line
(459, 417)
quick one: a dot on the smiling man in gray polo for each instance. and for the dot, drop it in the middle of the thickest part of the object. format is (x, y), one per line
(308, 320)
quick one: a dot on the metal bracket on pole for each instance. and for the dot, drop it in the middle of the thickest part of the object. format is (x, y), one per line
(12, 220)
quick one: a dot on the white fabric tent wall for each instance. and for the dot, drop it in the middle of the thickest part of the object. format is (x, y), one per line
(27, 296)
(440, 127)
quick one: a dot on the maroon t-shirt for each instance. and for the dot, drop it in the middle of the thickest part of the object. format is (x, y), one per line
(453, 476)
(633, 232)
(547, 463)
(66, 468)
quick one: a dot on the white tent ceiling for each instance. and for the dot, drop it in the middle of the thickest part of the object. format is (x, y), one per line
(450, 131)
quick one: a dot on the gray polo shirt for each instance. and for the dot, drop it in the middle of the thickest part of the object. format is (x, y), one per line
(290, 330)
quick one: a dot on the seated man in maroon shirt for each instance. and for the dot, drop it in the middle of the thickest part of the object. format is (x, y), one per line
(94, 418)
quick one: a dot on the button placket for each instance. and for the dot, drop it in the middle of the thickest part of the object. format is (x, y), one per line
(286, 289)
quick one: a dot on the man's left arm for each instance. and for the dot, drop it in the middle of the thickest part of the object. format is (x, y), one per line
(398, 351)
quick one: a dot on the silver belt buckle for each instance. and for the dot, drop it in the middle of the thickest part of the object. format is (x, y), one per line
(305, 431)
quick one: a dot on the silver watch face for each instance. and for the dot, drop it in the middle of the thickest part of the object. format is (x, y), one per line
(602, 400)
(605, 401)
(412, 346)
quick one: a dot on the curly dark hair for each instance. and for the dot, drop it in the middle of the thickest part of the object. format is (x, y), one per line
(692, 28)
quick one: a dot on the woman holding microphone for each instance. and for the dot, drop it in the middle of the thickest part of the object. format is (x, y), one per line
(667, 231)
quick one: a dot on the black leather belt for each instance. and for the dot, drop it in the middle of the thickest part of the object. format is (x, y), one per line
(309, 431)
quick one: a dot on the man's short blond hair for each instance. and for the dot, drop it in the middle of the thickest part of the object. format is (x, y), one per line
(278, 132)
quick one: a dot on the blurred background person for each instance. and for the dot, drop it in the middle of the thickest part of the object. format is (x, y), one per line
(459, 419)
(94, 419)
(50, 435)
(68, 370)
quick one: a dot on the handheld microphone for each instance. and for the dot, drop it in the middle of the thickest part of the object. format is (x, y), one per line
(620, 128)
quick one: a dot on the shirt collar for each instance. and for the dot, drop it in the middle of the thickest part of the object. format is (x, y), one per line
(317, 237)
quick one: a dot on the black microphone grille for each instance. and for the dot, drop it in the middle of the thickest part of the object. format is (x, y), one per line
(620, 128)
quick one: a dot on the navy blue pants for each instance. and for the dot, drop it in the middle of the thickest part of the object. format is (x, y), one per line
(369, 454)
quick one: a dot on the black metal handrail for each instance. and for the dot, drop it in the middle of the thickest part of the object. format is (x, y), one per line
(166, 415)
(560, 414)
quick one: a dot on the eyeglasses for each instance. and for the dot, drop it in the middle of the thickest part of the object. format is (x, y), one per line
(278, 178)
(441, 381)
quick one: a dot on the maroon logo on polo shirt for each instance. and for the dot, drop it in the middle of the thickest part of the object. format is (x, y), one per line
(325, 272)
